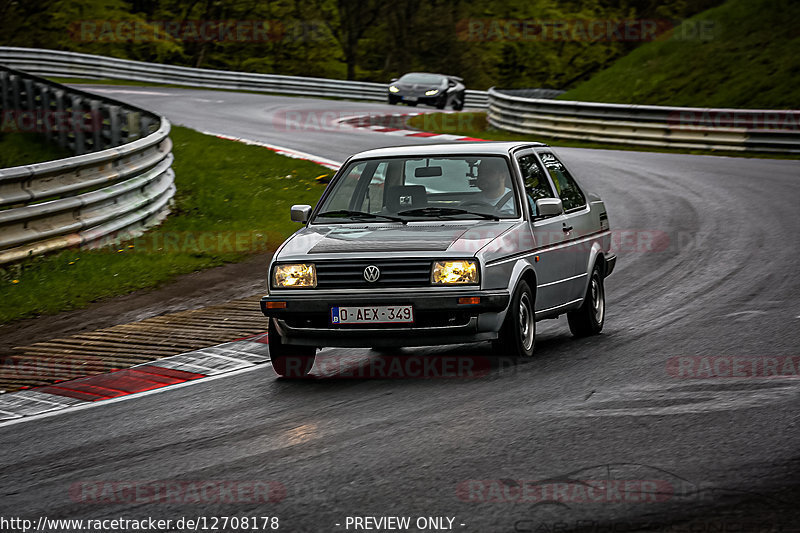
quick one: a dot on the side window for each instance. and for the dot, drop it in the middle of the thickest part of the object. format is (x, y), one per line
(536, 184)
(569, 192)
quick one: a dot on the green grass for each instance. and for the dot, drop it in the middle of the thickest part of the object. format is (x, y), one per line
(232, 201)
(18, 149)
(749, 59)
(474, 124)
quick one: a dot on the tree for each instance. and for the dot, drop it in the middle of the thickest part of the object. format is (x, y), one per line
(348, 21)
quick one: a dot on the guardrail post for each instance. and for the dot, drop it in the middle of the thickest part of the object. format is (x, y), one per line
(47, 106)
(76, 125)
(133, 126)
(97, 125)
(61, 136)
(115, 127)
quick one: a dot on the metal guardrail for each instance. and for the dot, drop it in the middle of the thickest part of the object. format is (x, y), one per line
(56, 63)
(647, 125)
(119, 183)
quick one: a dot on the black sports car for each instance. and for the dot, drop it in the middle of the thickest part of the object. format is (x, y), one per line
(432, 89)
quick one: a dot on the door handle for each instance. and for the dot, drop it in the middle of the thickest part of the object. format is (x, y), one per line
(567, 229)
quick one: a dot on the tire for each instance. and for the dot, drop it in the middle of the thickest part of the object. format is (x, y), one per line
(412, 104)
(589, 318)
(288, 360)
(517, 337)
(458, 103)
(441, 103)
(391, 101)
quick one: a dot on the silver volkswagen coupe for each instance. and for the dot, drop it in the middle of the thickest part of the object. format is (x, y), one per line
(439, 244)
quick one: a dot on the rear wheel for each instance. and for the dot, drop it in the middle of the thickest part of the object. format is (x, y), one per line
(288, 360)
(518, 335)
(458, 103)
(589, 318)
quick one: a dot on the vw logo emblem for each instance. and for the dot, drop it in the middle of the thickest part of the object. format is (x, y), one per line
(372, 273)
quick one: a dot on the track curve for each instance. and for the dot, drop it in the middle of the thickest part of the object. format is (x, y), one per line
(711, 272)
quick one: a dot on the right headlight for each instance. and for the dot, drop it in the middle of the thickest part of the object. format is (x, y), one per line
(456, 272)
(298, 275)
(393, 89)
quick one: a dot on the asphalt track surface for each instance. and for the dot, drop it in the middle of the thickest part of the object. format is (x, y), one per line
(711, 271)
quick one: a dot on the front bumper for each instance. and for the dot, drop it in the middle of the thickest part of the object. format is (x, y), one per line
(439, 318)
(424, 100)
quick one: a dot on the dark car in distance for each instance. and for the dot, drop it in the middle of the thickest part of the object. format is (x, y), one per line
(435, 90)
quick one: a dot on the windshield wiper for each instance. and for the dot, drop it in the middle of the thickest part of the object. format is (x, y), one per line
(445, 211)
(346, 213)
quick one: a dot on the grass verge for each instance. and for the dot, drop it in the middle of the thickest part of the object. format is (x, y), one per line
(741, 54)
(17, 149)
(475, 124)
(232, 201)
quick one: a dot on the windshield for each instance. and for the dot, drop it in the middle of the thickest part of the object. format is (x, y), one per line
(433, 79)
(414, 188)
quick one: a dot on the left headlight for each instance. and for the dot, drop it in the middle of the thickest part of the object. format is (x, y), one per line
(294, 275)
(431, 92)
(458, 272)
(393, 89)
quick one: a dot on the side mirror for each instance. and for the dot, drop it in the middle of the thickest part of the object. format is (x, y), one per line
(451, 84)
(300, 213)
(393, 80)
(548, 207)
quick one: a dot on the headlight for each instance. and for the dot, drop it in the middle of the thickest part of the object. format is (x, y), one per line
(459, 272)
(431, 92)
(297, 275)
(393, 89)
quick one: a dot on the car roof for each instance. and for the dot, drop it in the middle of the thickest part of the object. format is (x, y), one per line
(425, 73)
(460, 148)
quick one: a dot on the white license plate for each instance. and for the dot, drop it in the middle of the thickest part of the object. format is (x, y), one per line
(373, 314)
(410, 98)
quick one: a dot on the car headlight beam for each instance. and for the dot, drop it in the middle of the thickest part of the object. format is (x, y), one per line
(299, 275)
(393, 89)
(455, 272)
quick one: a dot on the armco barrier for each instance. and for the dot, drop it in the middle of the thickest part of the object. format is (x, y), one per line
(646, 125)
(119, 182)
(55, 63)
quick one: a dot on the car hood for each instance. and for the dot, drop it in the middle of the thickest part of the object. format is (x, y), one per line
(375, 240)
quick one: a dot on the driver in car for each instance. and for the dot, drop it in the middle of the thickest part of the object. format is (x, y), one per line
(494, 184)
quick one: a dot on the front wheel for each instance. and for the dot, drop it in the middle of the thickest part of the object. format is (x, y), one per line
(518, 335)
(589, 318)
(288, 360)
(458, 103)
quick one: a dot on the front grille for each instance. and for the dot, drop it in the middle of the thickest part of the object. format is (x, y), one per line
(350, 274)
